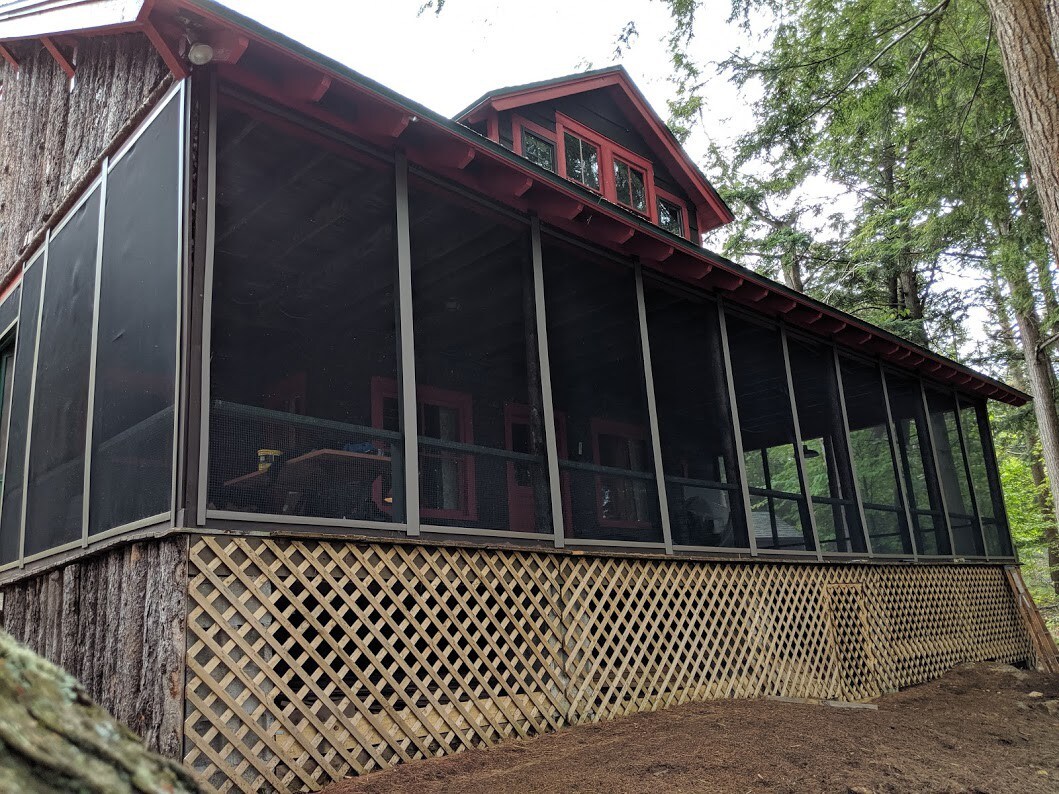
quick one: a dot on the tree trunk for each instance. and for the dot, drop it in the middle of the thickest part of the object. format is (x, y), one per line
(1032, 71)
(1040, 377)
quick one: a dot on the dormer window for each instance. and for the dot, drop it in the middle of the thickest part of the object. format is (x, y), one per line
(538, 150)
(582, 161)
(630, 186)
(671, 217)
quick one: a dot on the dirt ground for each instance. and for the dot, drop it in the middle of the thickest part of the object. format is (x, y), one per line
(976, 730)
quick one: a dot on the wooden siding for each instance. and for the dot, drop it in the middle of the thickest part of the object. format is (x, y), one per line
(116, 622)
(52, 134)
(311, 660)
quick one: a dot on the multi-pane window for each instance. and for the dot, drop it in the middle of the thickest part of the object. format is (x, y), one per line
(538, 150)
(630, 186)
(671, 217)
(582, 161)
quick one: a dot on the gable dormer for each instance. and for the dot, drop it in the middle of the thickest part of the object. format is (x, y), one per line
(596, 129)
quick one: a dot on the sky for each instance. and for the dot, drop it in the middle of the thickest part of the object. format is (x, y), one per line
(446, 61)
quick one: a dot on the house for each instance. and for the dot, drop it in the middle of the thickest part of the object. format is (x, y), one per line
(340, 434)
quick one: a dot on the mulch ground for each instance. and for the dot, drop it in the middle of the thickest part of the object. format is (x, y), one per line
(977, 729)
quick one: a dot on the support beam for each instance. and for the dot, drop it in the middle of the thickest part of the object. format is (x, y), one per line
(176, 65)
(554, 205)
(306, 86)
(5, 53)
(56, 53)
(646, 247)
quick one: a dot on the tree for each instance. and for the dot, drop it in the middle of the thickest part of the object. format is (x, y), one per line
(1029, 46)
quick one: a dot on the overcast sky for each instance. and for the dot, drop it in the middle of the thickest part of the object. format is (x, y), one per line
(446, 61)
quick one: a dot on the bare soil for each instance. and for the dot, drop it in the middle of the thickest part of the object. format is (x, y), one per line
(977, 729)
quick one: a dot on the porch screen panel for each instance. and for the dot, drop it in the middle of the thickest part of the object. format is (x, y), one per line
(777, 502)
(953, 470)
(132, 436)
(8, 316)
(974, 420)
(916, 461)
(9, 308)
(605, 456)
(695, 421)
(874, 460)
(55, 489)
(15, 454)
(481, 437)
(827, 463)
(304, 326)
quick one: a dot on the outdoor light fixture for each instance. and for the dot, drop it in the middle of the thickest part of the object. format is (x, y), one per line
(200, 53)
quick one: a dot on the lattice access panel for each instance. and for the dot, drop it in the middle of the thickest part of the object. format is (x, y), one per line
(309, 661)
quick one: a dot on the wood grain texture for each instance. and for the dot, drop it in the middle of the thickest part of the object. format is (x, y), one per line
(1032, 71)
(52, 133)
(116, 622)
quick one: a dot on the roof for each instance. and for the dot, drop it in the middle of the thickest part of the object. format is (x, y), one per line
(617, 82)
(262, 62)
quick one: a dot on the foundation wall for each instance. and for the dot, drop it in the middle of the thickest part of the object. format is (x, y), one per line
(308, 661)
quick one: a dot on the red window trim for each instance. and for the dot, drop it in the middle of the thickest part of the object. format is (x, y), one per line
(383, 388)
(518, 123)
(608, 152)
(679, 202)
(598, 427)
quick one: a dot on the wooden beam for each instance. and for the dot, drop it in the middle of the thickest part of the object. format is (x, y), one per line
(173, 62)
(554, 205)
(603, 227)
(441, 153)
(382, 122)
(307, 86)
(755, 293)
(228, 46)
(648, 248)
(60, 59)
(5, 53)
(508, 181)
(722, 279)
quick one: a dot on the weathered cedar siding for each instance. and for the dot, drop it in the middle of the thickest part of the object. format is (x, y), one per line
(51, 135)
(116, 621)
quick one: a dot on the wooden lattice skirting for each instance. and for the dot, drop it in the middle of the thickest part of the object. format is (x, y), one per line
(309, 661)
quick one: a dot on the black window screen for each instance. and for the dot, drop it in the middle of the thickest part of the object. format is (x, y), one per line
(9, 308)
(869, 431)
(777, 501)
(916, 461)
(55, 490)
(697, 438)
(132, 436)
(15, 454)
(481, 437)
(8, 315)
(607, 472)
(953, 470)
(304, 328)
(974, 420)
(828, 472)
